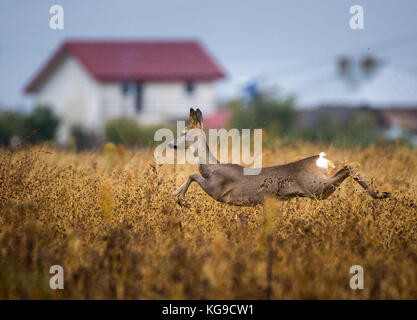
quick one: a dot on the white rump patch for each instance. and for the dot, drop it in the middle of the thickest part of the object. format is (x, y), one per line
(322, 162)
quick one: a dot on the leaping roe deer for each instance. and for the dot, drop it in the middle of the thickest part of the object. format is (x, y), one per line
(309, 177)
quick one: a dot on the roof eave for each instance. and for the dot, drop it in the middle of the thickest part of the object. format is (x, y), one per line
(47, 66)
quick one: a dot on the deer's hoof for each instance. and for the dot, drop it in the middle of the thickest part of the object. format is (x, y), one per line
(183, 203)
(383, 195)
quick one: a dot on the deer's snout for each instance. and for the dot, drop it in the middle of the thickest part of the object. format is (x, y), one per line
(172, 146)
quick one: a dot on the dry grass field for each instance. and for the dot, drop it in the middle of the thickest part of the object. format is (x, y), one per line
(110, 220)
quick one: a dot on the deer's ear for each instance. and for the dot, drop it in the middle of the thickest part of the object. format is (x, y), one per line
(199, 116)
(193, 118)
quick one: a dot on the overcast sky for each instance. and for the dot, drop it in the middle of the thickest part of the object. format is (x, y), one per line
(271, 39)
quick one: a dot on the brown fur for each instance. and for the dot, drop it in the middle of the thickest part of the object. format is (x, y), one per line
(303, 178)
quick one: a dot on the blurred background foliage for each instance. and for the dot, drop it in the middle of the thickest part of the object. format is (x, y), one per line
(360, 130)
(130, 133)
(275, 115)
(38, 126)
(10, 125)
(281, 121)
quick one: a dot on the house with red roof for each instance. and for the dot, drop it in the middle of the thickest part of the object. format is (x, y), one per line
(90, 82)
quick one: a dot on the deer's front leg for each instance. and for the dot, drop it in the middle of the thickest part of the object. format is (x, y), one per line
(182, 190)
(181, 187)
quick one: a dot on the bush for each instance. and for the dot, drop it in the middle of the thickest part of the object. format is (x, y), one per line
(40, 125)
(279, 120)
(276, 116)
(363, 130)
(84, 139)
(360, 130)
(11, 124)
(129, 133)
(122, 131)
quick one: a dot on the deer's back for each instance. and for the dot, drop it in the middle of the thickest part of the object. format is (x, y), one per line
(228, 183)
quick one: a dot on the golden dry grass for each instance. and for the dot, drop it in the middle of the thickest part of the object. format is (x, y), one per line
(109, 219)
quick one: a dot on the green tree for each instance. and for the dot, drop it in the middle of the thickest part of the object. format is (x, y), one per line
(40, 125)
(363, 129)
(122, 131)
(129, 133)
(360, 130)
(274, 114)
(10, 125)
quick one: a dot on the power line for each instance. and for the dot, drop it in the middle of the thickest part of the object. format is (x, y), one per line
(318, 61)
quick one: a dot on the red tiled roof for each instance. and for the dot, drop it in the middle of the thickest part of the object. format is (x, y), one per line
(136, 60)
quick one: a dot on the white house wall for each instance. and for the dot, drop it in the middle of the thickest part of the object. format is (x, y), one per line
(170, 101)
(162, 101)
(114, 103)
(74, 96)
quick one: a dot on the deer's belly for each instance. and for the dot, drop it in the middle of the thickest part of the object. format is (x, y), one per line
(237, 194)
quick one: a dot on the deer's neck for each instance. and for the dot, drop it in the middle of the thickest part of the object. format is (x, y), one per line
(203, 156)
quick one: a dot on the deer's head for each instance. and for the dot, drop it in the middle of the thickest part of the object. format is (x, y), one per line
(196, 123)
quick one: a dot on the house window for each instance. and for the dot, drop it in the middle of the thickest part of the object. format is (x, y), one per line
(135, 90)
(128, 88)
(190, 87)
(139, 97)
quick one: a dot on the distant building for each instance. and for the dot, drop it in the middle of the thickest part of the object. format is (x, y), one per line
(89, 82)
(339, 114)
(399, 122)
(394, 122)
(382, 89)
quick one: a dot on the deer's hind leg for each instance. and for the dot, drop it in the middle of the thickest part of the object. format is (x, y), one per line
(335, 181)
(376, 194)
